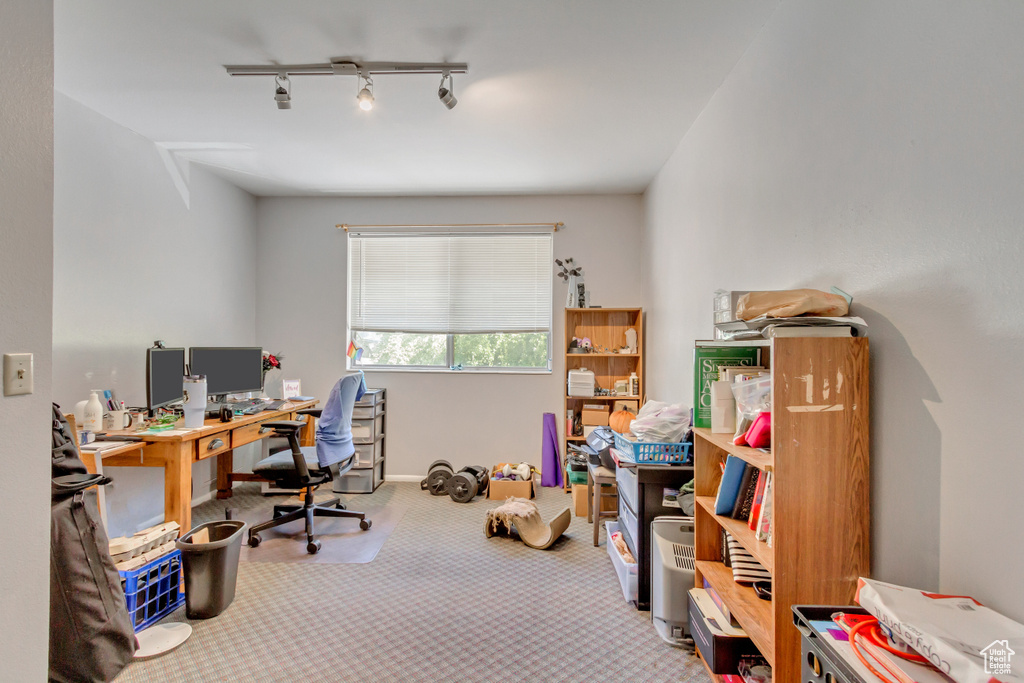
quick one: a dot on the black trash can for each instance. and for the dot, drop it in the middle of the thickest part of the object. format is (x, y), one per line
(211, 568)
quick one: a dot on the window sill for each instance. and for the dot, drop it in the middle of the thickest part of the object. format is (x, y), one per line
(447, 371)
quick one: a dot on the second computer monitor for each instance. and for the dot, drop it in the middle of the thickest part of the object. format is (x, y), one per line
(228, 370)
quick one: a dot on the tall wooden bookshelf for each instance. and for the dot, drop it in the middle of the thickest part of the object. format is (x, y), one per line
(606, 328)
(821, 517)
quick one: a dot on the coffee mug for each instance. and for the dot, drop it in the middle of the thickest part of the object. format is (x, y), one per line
(117, 420)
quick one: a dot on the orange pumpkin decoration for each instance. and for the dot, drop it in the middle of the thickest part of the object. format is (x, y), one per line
(620, 421)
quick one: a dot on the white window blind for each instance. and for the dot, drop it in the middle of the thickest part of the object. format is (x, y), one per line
(450, 283)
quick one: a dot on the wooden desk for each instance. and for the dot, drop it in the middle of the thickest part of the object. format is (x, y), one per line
(176, 451)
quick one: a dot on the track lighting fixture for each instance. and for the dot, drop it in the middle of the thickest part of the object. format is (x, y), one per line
(283, 94)
(447, 95)
(365, 96)
(361, 70)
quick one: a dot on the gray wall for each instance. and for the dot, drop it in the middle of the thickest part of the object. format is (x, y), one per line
(876, 146)
(26, 287)
(136, 260)
(465, 418)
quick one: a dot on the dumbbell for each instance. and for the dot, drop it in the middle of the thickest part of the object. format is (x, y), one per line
(438, 474)
(462, 486)
(483, 477)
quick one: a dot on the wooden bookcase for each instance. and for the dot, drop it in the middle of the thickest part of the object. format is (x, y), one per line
(606, 327)
(821, 517)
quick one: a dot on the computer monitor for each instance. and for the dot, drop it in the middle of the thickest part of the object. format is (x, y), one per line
(165, 369)
(228, 370)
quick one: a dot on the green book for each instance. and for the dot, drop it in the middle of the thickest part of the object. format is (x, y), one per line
(707, 358)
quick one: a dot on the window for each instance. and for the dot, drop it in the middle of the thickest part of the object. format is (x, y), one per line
(459, 300)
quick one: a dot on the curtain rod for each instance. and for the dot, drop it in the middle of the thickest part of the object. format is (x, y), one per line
(554, 226)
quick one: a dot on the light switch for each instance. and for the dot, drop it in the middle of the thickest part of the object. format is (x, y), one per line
(18, 374)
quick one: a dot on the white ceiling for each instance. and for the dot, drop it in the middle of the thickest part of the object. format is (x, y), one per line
(561, 96)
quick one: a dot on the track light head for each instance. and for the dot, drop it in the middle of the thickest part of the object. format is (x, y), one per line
(365, 96)
(447, 95)
(281, 95)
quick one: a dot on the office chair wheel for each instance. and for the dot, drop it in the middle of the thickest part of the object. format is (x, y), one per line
(254, 540)
(365, 524)
(313, 547)
(340, 506)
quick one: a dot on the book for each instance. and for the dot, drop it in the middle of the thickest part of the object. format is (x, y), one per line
(745, 499)
(708, 356)
(755, 510)
(729, 372)
(729, 488)
(745, 569)
(764, 523)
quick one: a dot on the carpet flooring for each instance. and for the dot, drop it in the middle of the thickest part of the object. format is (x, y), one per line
(440, 602)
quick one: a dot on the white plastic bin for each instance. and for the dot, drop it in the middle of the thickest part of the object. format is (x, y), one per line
(626, 572)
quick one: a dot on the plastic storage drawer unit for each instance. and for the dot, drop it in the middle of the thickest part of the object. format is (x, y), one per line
(367, 431)
(360, 481)
(625, 480)
(367, 454)
(626, 572)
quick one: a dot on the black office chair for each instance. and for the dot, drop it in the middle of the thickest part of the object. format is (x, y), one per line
(300, 467)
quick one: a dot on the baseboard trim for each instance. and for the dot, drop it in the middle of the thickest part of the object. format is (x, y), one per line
(403, 477)
(199, 500)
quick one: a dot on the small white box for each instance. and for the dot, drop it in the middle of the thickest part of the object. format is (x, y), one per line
(581, 383)
(723, 408)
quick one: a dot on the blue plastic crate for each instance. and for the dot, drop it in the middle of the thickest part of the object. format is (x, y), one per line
(153, 590)
(647, 453)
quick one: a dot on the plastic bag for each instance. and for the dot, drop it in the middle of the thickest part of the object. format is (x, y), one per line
(659, 422)
(790, 303)
(753, 396)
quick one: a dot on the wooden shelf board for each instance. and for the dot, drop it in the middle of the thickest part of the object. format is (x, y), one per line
(575, 438)
(604, 310)
(742, 533)
(759, 459)
(602, 355)
(753, 613)
(603, 398)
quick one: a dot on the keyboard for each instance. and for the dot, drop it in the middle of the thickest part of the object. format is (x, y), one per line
(273, 405)
(248, 407)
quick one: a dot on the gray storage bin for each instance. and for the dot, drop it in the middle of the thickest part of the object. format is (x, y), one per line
(368, 454)
(359, 481)
(367, 431)
(367, 412)
(371, 397)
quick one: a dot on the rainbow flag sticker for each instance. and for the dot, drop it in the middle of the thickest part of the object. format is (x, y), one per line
(354, 352)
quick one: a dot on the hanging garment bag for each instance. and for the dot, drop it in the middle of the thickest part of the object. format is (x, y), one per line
(91, 636)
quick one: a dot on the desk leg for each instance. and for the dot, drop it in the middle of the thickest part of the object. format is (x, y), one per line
(597, 512)
(590, 497)
(225, 466)
(178, 484)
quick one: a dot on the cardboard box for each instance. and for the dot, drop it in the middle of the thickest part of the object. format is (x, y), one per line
(500, 489)
(632, 406)
(609, 501)
(595, 415)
